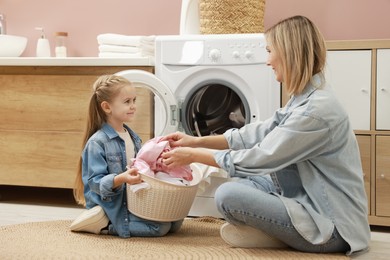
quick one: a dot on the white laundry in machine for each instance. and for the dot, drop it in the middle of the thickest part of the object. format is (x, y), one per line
(206, 84)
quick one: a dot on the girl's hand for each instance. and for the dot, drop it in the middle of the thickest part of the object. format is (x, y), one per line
(178, 157)
(179, 139)
(130, 176)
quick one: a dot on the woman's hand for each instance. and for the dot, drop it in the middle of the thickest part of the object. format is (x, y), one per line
(180, 139)
(179, 156)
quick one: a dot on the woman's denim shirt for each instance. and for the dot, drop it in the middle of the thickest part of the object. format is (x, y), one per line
(104, 157)
(311, 152)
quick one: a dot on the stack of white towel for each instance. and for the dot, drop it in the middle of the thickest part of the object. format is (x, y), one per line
(125, 46)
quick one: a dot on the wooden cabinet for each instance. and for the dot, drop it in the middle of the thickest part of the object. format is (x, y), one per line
(43, 111)
(359, 72)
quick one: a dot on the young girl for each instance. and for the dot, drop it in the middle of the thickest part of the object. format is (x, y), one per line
(103, 169)
(301, 179)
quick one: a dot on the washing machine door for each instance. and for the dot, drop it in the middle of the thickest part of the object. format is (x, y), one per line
(168, 113)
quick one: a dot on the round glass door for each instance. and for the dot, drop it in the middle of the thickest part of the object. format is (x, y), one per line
(213, 108)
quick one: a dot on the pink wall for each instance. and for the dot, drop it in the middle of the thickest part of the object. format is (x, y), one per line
(85, 19)
(337, 19)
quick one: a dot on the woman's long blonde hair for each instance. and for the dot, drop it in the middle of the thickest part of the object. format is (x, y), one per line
(301, 48)
(105, 88)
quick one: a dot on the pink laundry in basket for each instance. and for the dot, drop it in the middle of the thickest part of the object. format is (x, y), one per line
(149, 161)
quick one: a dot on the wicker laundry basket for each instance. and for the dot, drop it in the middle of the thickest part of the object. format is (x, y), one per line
(164, 201)
(231, 16)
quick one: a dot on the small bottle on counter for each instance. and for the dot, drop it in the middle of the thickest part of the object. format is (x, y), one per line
(43, 44)
(60, 49)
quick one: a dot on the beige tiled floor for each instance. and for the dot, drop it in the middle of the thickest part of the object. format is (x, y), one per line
(28, 204)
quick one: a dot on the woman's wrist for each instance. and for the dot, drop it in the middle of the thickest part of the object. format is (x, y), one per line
(202, 141)
(212, 142)
(197, 141)
(205, 156)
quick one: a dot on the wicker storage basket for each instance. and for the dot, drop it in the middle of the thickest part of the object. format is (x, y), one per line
(164, 201)
(231, 16)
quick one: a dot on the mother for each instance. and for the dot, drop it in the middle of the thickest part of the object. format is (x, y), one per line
(301, 180)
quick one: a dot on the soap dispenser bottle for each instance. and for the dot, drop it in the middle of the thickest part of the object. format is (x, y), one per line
(43, 45)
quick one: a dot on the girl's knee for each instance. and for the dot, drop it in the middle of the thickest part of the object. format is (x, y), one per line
(175, 226)
(161, 229)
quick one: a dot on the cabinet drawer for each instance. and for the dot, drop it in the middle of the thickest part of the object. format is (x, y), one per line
(45, 102)
(383, 176)
(59, 103)
(46, 159)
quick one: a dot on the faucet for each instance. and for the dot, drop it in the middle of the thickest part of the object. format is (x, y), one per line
(2, 24)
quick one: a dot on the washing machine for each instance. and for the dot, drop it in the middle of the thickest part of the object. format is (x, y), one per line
(206, 84)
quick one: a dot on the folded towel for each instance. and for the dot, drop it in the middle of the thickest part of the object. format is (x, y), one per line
(118, 48)
(118, 39)
(148, 39)
(147, 53)
(120, 55)
(147, 48)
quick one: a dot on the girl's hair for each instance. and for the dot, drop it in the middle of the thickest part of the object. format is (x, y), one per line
(301, 48)
(105, 88)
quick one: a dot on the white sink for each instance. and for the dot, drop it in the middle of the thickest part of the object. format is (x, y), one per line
(12, 46)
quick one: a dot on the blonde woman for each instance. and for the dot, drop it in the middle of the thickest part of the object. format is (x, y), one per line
(109, 145)
(300, 176)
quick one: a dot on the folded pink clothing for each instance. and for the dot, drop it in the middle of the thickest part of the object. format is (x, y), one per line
(148, 160)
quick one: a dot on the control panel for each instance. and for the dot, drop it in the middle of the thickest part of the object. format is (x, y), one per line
(242, 51)
(230, 49)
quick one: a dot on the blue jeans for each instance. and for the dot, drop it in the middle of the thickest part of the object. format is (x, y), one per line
(250, 202)
(140, 227)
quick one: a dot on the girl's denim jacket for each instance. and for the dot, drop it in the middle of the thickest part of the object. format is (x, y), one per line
(104, 157)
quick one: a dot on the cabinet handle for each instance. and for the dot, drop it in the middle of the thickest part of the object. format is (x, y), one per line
(363, 90)
(382, 176)
(383, 89)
